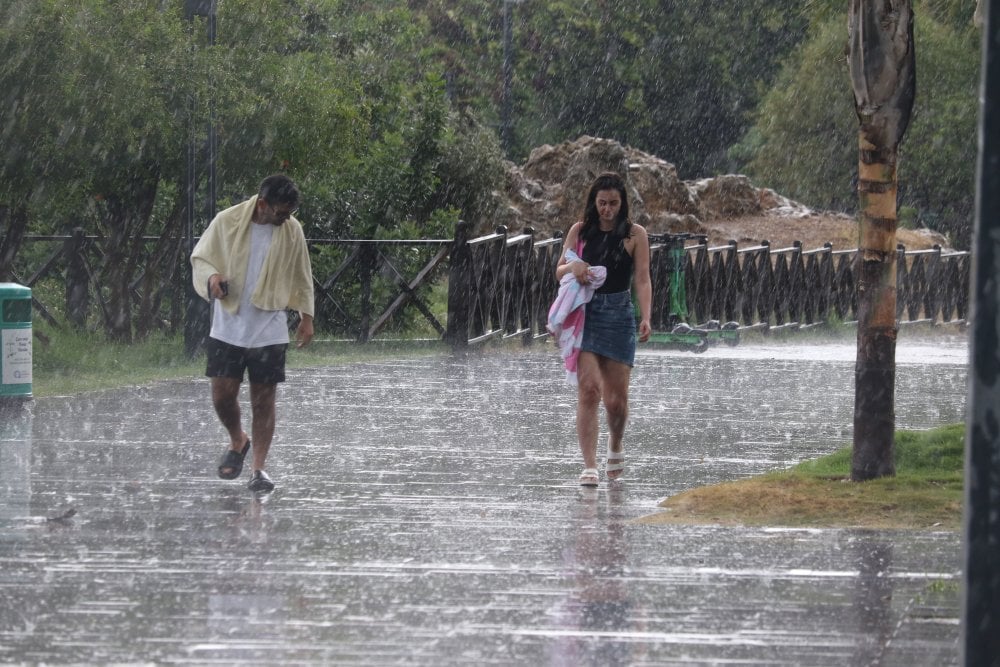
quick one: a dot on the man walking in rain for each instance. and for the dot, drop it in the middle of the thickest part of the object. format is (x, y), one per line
(252, 263)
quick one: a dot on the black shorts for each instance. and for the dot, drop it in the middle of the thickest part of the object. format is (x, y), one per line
(265, 365)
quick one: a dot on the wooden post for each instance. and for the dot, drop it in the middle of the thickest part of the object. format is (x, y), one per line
(545, 286)
(796, 296)
(366, 269)
(734, 298)
(936, 286)
(507, 288)
(529, 286)
(827, 283)
(765, 286)
(77, 280)
(493, 310)
(457, 334)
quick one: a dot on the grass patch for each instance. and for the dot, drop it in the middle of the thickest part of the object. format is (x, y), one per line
(926, 493)
(73, 362)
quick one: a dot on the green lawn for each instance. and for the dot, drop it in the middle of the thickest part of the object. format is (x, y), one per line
(73, 362)
(925, 493)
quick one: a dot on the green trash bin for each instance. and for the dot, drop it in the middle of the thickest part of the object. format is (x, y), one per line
(15, 341)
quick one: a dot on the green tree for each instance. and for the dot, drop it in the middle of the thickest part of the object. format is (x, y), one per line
(99, 104)
(800, 143)
(32, 112)
(653, 74)
(883, 78)
(89, 127)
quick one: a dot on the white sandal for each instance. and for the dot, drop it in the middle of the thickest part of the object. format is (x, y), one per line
(616, 463)
(589, 477)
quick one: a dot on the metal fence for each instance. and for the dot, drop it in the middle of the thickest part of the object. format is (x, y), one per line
(467, 290)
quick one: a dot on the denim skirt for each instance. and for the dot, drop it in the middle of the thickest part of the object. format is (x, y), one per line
(609, 327)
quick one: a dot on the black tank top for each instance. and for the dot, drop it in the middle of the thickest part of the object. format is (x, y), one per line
(605, 249)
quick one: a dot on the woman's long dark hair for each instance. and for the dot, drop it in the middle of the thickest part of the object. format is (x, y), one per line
(592, 219)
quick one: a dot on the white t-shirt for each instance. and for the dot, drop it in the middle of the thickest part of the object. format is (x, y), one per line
(251, 326)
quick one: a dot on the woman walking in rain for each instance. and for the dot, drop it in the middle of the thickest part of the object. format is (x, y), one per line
(606, 239)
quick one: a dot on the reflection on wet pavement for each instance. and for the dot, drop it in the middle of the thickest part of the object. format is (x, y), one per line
(427, 513)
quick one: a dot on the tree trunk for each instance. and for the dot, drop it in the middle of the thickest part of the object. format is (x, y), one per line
(125, 219)
(77, 279)
(883, 78)
(161, 274)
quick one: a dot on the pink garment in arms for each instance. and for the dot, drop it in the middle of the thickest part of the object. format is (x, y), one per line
(566, 315)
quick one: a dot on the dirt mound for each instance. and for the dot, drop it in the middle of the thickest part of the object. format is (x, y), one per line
(546, 193)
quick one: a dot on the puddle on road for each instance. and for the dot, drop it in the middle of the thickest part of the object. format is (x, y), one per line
(427, 513)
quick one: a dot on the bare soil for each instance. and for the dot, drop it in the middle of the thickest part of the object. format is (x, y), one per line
(813, 230)
(787, 501)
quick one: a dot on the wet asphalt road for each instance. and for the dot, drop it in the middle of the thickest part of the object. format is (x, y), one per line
(427, 513)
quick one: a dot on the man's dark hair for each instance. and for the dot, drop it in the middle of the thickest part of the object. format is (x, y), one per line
(279, 189)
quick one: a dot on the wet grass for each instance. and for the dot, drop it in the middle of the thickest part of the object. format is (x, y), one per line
(73, 362)
(926, 493)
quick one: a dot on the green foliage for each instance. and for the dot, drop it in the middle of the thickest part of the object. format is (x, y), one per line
(651, 74)
(803, 142)
(73, 361)
(644, 73)
(926, 492)
(386, 112)
(99, 105)
(472, 172)
(955, 13)
(938, 155)
(940, 451)
(804, 139)
(907, 217)
(937, 454)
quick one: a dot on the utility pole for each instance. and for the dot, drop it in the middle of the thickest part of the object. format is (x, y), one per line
(196, 313)
(980, 635)
(506, 101)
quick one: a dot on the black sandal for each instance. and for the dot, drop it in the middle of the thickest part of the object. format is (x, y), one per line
(232, 460)
(260, 482)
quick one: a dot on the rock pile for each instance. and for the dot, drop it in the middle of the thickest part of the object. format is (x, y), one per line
(547, 192)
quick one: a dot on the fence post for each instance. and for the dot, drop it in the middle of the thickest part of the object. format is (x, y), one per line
(903, 284)
(544, 286)
(457, 333)
(494, 317)
(77, 281)
(529, 288)
(733, 301)
(366, 268)
(936, 287)
(796, 284)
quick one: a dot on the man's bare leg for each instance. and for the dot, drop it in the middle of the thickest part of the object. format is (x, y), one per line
(262, 402)
(225, 399)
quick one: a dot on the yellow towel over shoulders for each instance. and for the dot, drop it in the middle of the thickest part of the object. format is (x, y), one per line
(224, 248)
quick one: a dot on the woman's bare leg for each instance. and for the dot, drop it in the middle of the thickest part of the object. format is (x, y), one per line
(588, 373)
(615, 379)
